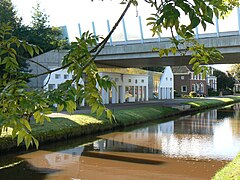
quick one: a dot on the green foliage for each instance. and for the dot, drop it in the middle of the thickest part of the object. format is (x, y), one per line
(199, 12)
(230, 171)
(235, 71)
(192, 94)
(224, 81)
(19, 104)
(8, 14)
(81, 64)
(41, 34)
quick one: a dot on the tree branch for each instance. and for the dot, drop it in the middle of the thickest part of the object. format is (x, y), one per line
(96, 49)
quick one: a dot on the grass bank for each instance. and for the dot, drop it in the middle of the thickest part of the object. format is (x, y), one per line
(230, 171)
(68, 126)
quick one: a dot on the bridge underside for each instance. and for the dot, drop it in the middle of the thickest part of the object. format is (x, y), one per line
(141, 55)
(232, 58)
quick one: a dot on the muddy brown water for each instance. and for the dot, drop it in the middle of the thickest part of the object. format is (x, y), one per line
(190, 147)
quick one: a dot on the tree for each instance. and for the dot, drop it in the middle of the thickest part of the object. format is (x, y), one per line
(41, 34)
(235, 71)
(18, 103)
(8, 14)
(224, 80)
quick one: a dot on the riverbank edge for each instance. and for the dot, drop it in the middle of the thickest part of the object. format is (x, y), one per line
(7, 144)
(125, 117)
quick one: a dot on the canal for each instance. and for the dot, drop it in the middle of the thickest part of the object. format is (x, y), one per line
(189, 147)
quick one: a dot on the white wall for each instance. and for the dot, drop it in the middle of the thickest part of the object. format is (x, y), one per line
(137, 86)
(53, 80)
(137, 83)
(166, 86)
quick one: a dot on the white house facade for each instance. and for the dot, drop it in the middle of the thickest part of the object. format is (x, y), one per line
(166, 85)
(129, 88)
(211, 80)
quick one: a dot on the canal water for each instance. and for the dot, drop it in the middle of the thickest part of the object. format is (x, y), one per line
(189, 147)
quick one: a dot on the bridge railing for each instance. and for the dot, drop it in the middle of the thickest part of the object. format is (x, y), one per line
(126, 40)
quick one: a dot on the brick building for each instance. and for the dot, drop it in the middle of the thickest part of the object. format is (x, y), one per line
(185, 81)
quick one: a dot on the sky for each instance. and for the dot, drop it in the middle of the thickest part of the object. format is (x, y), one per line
(84, 12)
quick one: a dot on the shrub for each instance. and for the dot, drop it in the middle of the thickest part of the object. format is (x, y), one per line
(193, 94)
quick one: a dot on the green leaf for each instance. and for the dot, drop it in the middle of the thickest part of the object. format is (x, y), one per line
(27, 140)
(26, 124)
(71, 106)
(60, 107)
(30, 50)
(94, 107)
(100, 111)
(35, 142)
(21, 135)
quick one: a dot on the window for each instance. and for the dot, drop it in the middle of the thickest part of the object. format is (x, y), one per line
(66, 76)
(136, 81)
(182, 77)
(116, 79)
(51, 86)
(184, 88)
(57, 76)
(142, 80)
(129, 80)
(170, 79)
(166, 78)
(193, 87)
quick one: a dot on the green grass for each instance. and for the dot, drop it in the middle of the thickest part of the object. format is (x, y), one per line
(230, 171)
(68, 126)
(213, 102)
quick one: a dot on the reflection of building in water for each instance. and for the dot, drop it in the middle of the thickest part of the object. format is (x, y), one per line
(166, 128)
(201, 123)
(64, 157)
(146, 140)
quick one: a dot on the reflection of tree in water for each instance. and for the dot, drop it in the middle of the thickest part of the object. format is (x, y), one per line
(22, 171)
(234, 121)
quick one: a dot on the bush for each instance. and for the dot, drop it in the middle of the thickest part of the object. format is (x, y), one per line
(193, 94)
(211, 92)
(176, 94)
(227, 92)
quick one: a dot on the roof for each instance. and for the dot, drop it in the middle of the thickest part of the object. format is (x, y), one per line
(180, 70)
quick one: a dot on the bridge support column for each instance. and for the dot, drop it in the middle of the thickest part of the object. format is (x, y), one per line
(196, 33)
(109, 29)
(217, 26)
(141, 30)
(124, 31)
(93, 27)
(79, 29)
(238, 14)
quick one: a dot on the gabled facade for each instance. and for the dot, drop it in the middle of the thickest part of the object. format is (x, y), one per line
(211, 80)
(185, 81)
(166, 86)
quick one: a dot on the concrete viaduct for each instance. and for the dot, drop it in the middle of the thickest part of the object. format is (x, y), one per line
(140, 54)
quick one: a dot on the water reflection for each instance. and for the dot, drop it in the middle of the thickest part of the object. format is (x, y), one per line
(204, 135)
(190, 146)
